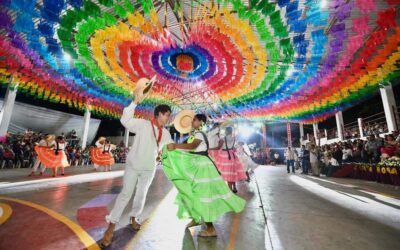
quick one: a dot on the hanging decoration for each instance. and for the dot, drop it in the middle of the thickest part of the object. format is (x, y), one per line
(292, 61)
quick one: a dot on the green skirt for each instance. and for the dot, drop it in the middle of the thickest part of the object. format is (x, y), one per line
(202, 193)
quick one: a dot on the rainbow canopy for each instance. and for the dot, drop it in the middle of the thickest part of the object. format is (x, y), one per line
(284, 60)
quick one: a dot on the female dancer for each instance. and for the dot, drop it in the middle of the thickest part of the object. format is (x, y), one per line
(227, 161)
(61, 144)
(101, 155)
(203, 195)
(53, 157)
(248, 164)
(47, 142)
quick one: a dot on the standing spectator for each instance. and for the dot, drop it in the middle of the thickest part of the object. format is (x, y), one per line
(18, 154)
(371, 147)
(314, 160)
(290, 157)
(305, 159)
(337, 154)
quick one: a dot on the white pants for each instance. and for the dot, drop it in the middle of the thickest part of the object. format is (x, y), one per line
(36, 166)
(132, 178)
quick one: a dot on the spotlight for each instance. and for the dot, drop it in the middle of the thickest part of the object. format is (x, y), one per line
(67, 56)
(245, 131)
(258, 124)
(323, 3)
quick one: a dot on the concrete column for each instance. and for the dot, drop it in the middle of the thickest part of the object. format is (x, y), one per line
(326, 133)
(315, 128)
(7, 109)
(340, 125)
(126, 137)
(264, 136)
(301, 127)
(86, 123)
(389, 106)
(289, 134)
(360, 127)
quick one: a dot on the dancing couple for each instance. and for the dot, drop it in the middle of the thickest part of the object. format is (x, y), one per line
(202, 194)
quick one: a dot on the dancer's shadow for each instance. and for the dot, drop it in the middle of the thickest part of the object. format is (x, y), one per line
(188, 241)
(121, 238)
(202, 243)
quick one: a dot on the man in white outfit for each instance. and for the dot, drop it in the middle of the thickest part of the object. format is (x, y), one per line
(140, 163)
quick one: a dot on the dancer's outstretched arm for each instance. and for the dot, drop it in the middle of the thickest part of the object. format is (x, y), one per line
(127, 119)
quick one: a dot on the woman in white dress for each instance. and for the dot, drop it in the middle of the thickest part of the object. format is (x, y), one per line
(245, 157)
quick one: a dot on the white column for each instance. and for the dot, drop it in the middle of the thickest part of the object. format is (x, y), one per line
(340, 125)
(7, 109)
(360, 127)
(326, 133)
(86, 120)
(126, 137)
(389, 106)
(315, 128)
(301, 127)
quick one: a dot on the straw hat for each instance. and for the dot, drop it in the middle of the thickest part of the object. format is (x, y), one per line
(226, 123)
(183, 121)
(143, 85)
(50, 137)
(101, 139)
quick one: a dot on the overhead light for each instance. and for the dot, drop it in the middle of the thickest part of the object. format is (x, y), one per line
(67, 56)
(245, 131)
(323, 3)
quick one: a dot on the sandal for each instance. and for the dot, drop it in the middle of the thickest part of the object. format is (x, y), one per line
(107, 239)
(206, 233)
(134, 224)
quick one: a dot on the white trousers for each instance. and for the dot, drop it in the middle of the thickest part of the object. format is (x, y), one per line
(36, 166)
(140, 180)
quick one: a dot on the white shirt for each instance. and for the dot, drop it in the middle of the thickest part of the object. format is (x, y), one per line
(333, 162)
(61, 146)
(230, 140)
(44, 143)
(143, 152)
(347, 153)
(203, 145)
(99, 145)
(213, 138)
(289, 154)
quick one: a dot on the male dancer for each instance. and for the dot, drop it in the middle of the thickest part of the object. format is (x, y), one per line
(140, 163)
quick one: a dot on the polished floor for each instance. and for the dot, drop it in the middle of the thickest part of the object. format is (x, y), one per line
(284, 211)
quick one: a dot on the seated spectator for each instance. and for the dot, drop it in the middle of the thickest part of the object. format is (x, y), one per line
(333, 166)
(389, 149)
(347, 154)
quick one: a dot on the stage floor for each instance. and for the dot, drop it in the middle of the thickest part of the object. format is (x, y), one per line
(283, 211)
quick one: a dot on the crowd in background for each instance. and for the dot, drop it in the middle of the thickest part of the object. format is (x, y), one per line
(17, 150)
(329, 158)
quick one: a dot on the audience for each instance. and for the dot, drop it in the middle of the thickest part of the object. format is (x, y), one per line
(17, 150)
(373, 150)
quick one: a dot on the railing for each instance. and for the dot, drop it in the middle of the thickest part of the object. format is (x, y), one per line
(351, 130)
(374, 124)
(332, 133)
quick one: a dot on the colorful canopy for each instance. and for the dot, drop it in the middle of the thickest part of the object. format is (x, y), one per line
(298, 60)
